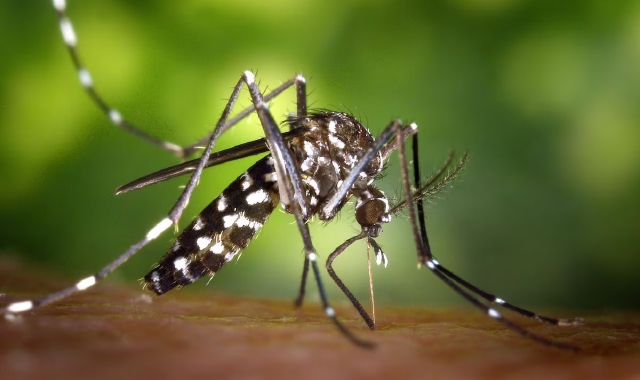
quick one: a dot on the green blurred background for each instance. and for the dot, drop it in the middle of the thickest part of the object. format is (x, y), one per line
(544, 94)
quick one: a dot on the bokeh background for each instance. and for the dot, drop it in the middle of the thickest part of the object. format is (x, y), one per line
(544, 94)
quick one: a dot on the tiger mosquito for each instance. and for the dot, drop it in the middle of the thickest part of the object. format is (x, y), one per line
(313, 170)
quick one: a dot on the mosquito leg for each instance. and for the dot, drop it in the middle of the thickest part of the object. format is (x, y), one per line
(301, 95)
(474, 289)
(499, 301)
(342, 286)
(303, 283)
(300, 84)
(285, 167)
(301, 106)
(71, 41)
(87, 282)
(330, 312)
(426, 258)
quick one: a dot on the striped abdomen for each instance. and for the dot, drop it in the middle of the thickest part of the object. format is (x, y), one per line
(222, 230)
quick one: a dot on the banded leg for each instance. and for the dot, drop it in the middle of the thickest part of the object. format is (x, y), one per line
(432, 187)
(71, 41)
(426, 258)
(22, 306)
(499, 301)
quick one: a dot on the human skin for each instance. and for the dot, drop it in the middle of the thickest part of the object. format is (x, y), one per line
(113, 331)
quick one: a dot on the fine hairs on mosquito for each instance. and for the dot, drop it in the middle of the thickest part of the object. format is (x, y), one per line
(325, 159)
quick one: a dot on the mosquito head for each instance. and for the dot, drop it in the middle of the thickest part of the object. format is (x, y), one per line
(372, 209)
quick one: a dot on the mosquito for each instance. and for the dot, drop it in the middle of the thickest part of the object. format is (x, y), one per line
(325, 159)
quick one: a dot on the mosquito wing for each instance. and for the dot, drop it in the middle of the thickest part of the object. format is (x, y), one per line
(240, 151)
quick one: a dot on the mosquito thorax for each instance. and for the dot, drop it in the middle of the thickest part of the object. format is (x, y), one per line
(326, 154)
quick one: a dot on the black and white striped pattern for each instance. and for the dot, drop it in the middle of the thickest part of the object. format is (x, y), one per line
(84, 76)
(223, 229)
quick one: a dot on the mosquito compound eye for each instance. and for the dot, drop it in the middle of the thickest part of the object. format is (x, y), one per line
(370, 212)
